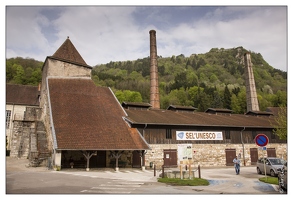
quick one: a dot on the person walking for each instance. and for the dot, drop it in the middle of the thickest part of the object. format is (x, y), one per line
(236, 162)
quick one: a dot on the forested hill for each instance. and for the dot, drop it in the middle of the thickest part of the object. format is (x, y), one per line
(211, 80)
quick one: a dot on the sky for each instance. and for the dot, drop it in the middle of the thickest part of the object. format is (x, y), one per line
(103, 33)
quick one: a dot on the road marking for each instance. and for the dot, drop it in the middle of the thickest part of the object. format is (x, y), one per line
(102, 185)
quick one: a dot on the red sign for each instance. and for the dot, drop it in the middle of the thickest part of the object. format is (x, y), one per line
(261, 140)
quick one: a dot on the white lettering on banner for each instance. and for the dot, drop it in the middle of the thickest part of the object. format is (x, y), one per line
(198, 135)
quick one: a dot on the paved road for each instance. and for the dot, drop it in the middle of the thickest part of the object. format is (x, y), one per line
(23, 180)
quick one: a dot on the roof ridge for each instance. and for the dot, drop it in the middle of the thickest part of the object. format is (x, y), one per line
(68, 52)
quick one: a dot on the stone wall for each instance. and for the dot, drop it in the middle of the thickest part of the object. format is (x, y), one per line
(64, 69)
(28, 137)
(17, 113)
(20, 142)
(210, 155)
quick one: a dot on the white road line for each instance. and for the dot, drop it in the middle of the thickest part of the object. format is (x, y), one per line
(112, 192)
(112, 188)
(102, 185)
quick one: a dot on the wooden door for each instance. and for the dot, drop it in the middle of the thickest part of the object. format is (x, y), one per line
(253, 155)
(230, 155)
(170, 157)
(271, 152)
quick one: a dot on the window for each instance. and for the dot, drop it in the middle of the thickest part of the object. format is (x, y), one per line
(168, 134)
(8, 115)
(227, 135)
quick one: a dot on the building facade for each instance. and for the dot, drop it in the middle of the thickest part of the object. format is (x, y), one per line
(75, 121)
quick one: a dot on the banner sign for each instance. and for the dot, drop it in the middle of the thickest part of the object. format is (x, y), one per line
(198, 135)
(184, 152)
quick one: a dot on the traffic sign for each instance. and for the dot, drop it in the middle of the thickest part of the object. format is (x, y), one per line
(262, 148)
(261, 140)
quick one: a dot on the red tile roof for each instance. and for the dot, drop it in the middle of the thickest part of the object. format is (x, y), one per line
(87, 117)
(68, 53)
(22, 95)
(167, 117)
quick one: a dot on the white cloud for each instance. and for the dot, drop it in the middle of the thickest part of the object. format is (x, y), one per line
(102, 34)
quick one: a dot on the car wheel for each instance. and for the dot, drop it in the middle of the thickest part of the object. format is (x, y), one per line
(258, 170)
(272, 173)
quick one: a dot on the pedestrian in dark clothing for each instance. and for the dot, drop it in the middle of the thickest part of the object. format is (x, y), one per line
(236, 162)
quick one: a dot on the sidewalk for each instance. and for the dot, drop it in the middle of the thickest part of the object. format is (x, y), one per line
(20, 164)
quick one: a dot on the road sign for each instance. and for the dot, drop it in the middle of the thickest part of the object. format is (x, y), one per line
(261, 140)
(262, 148)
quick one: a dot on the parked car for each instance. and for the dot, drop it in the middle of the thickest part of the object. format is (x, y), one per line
(272, 165)
(282, 179)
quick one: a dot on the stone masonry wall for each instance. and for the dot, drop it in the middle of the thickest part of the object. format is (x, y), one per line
(209, 155)
(20, 143)
(63, 69)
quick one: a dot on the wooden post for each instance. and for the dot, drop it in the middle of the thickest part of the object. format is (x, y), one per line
(180, 171)
(199, 176)
(163, 173)
(154, 170)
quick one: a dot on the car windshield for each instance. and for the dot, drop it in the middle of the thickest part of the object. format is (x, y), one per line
(277, 161)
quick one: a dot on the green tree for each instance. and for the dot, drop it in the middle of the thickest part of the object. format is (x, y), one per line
(280, 128)
(280, 98)
(19, 76)
(128, 96)
(227, 98)
(238, 103)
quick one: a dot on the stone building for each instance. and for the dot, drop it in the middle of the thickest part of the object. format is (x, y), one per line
(84, 124)
(22, 105)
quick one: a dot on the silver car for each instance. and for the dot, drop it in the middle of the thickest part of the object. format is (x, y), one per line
(269, 165)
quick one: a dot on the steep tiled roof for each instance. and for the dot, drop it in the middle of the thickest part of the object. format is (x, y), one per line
(67, 52)
(22, 95)
(87, 117)
(167, 117)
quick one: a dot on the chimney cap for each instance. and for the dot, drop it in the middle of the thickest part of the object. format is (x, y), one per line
(152, 31)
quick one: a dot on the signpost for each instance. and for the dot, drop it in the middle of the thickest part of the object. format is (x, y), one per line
(262, 140)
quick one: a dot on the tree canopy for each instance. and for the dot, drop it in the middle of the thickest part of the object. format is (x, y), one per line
(215, 79)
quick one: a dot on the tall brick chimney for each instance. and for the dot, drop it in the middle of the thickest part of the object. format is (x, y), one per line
(154, 91)
(251, 96)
